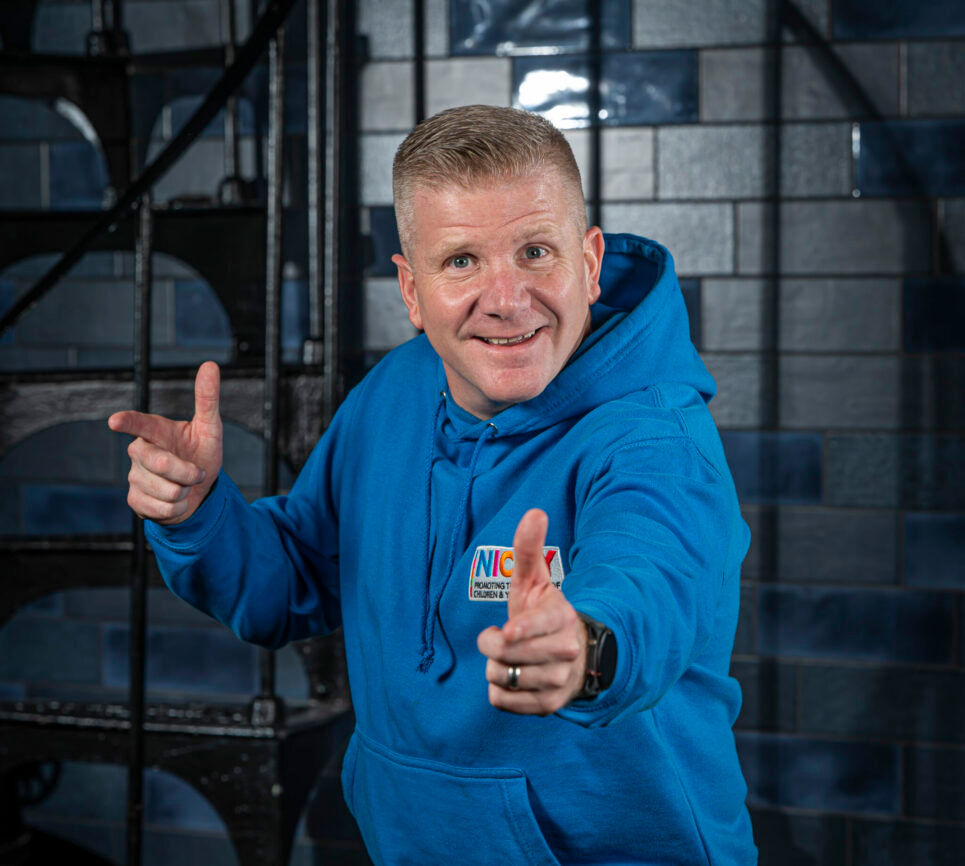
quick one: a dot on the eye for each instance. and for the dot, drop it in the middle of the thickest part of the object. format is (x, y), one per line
(535, 252)
(460, 262)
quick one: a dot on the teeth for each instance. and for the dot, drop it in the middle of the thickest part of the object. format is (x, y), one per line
(507, 341)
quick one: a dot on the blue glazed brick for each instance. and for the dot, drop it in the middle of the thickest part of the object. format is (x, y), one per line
(73, 509)
(103, 840)
(789, 839)
(199, 317)
(385, 241)
(39, 648)
(775, 467)
(192, 849)
(91, 792)
(508, 26)
(912, 157)
(51, 605)
(745, 641)
(819, 774)
(769, 692)
(935, 550)
(78, 176)
(172, 802)
(906, 843)
(33, 120)
(294, 315)
(935, 783)
(21, 176)
(200, 660)
(890, 19)
(12, 691)
(691, 291)
(637, 88)
(933, 311)
(857, 624)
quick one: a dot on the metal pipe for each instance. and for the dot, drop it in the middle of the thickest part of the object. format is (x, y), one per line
(317, 22)
(231, 160)
(273, 288)
(596, 103)
(419, 66)
(138, 599)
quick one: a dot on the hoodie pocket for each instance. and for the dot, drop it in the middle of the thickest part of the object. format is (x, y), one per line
(415, 811)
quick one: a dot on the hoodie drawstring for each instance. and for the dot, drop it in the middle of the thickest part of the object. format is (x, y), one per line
(431, 610)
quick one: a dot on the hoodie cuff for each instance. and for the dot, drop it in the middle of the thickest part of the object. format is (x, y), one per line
(194, 532)
(609, 703)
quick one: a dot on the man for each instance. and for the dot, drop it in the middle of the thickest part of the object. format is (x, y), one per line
(546, 438)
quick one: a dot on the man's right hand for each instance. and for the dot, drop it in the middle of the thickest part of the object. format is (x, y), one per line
(174, 463)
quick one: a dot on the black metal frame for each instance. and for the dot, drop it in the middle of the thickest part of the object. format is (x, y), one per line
(286, 745)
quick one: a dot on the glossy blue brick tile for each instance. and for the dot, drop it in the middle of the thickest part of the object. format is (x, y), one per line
(637, 88)
(691, 292)
(912, 157)
(294, 315)
(184, 107)
(935, 550)
(935, 783)
(12, 691)
(30, 119)
(78, 176)
(41, 648)
(788, 839)
(857, 624)
(905, 843)
(21, 176)
(933, 312)
(68, 509)
(170, 801)
(508, 26)
(775, 467)
(53, 838)
(200, 660)
(199, 317)
(189, 849)
(92, 792)
(385, 241)
(49, 605)
(819, 774)
(897, 19)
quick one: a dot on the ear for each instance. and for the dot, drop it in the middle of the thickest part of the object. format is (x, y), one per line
(407, 286)
(593, 246)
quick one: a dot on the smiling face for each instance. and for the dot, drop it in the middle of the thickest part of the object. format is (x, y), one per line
(501, 279)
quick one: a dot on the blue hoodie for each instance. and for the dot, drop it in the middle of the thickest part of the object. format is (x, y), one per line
(394, 529)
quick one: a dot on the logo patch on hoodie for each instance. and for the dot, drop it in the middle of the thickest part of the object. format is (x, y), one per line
(492, 569)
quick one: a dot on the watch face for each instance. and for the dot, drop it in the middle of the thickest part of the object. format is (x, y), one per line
(607, 655)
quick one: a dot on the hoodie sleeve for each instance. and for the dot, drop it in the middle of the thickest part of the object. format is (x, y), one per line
(269, 570)
(653, 545)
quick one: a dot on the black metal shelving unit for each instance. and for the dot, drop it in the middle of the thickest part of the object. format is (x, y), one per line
(256, 763)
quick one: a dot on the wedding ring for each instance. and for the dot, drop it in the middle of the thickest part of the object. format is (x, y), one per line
(512, 677)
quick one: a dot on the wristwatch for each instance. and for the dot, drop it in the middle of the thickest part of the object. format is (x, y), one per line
(601, 659)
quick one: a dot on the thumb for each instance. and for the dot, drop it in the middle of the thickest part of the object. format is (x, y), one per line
(207, 393)
(529, 567)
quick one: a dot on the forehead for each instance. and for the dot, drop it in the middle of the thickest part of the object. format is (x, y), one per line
(507, 205)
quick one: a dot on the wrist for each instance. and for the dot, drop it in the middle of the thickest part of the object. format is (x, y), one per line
(600, 660)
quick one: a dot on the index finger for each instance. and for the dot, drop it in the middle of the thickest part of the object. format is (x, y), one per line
(154, 428)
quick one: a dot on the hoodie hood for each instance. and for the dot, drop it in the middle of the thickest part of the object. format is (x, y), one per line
(640, 336)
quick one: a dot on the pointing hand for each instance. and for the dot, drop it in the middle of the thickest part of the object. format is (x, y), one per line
(174, 463)
(543, 636)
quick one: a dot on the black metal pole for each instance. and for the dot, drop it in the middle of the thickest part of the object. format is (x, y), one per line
(231, 191)
(419, 65)
(596, 103)
(317, 23)
(273, 276)
(138, 599)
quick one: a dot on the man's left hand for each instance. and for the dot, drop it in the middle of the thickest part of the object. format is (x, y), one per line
(543, 637)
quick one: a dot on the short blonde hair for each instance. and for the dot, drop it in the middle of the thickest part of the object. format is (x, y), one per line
(479, 145)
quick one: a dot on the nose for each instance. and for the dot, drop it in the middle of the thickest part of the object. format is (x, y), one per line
(503, 294)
